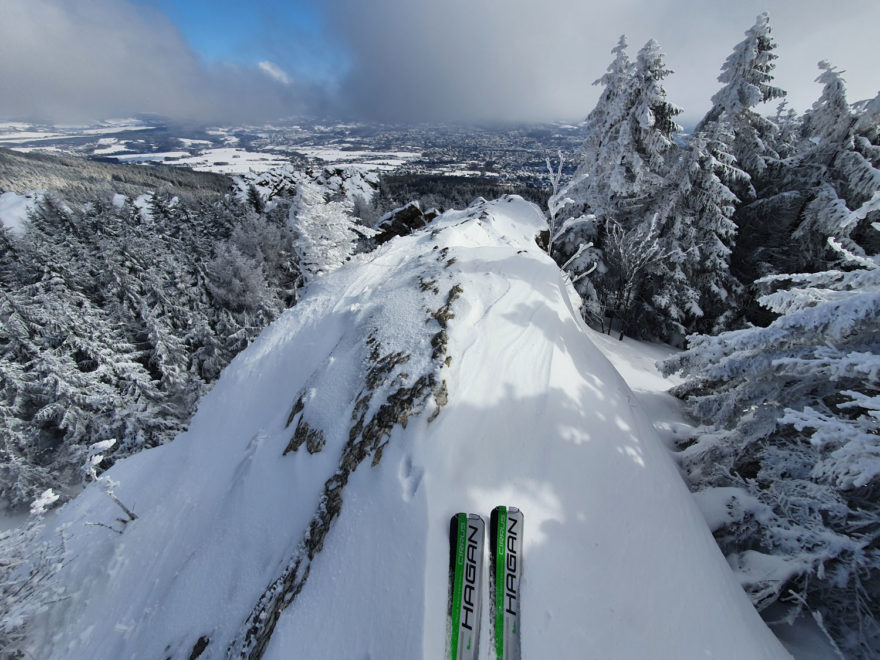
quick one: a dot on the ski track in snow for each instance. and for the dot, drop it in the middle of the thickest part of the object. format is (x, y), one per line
(618, 562)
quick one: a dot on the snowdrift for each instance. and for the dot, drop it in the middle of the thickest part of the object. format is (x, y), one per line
(305, 513)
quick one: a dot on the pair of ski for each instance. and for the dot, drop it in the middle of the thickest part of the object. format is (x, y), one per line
(466, 534)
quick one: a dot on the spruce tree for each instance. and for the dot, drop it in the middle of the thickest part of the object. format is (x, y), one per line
(792, 443)
(747, 77)
(326, 235)
(829, 188)
(588, 189)
(647, 156)
(694, 290)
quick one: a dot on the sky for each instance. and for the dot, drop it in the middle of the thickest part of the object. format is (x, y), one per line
(414, 60)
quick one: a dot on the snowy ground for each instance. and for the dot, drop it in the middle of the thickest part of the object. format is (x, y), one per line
(636, 362)
(226, 160)
(235, 160)
(371, 160)
(14, 209)
(619, 562)
(16, 132)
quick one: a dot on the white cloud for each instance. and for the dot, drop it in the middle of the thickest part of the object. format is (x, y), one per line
(69, 60)
(275, 72)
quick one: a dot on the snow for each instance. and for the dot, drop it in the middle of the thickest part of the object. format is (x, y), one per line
(189, 143)
(352, 183)
(46, 499)
(725, 505)
(618, 561)
(14, 209)
(226, 160)
(107, 146)
(372, 160)
(16, 132)
(636, 362)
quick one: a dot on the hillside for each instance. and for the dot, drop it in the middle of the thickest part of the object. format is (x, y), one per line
(305, 512)
(77, 179)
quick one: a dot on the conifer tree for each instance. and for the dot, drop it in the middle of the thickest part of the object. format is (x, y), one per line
(627, 167)
(840, 174)
(609, 206)
(694, 290)
(747, 77)
(600, 153)
(326, 236)
(115, 317)
(648, 153)
(792, 434)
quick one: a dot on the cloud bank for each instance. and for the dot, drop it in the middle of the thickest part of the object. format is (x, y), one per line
(422, 60)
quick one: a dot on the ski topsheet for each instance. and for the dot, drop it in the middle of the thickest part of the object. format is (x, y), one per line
(505, 566)
(466, 533)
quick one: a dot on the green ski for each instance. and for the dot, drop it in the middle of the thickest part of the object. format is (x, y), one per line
(466, 534)
(505, 571)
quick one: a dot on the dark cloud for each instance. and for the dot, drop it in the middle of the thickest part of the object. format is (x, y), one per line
(536, 59)
(68, 60)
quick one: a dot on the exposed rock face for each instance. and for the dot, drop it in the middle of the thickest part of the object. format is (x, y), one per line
(402, 221)
(389, 395)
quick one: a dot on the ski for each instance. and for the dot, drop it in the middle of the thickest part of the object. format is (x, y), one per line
(466, 533)
(505, 566)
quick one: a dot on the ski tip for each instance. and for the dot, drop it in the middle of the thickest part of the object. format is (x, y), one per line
(462, 517)
(505, 509)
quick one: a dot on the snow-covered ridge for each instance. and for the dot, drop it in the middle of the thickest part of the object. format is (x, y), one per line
(305, 512)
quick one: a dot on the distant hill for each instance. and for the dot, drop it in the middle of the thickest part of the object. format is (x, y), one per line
(78, 179)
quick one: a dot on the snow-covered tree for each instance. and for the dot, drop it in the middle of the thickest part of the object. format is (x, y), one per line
(71, 378)
(629, 257)
(627, 166)
(747, 81)
(832, 171)
(610, 204)
(116, 316)
(694, 289)
(326, 234)
(600, 153)
(792, 432)
(654, 124)
(845, 159)
(29, 558)
(787, 140)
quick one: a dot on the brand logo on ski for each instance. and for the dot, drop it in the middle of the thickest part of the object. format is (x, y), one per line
(466, 534)
(505, 531)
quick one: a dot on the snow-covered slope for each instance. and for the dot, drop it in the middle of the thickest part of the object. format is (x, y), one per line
(445, 372)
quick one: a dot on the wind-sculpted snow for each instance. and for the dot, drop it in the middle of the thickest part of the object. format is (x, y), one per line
(305, 512)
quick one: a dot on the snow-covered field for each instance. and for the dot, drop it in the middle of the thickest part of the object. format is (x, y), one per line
(17, 132)
(618, 560)
(226, 160)
(109, 145)
(373, 160)
(234, 160)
